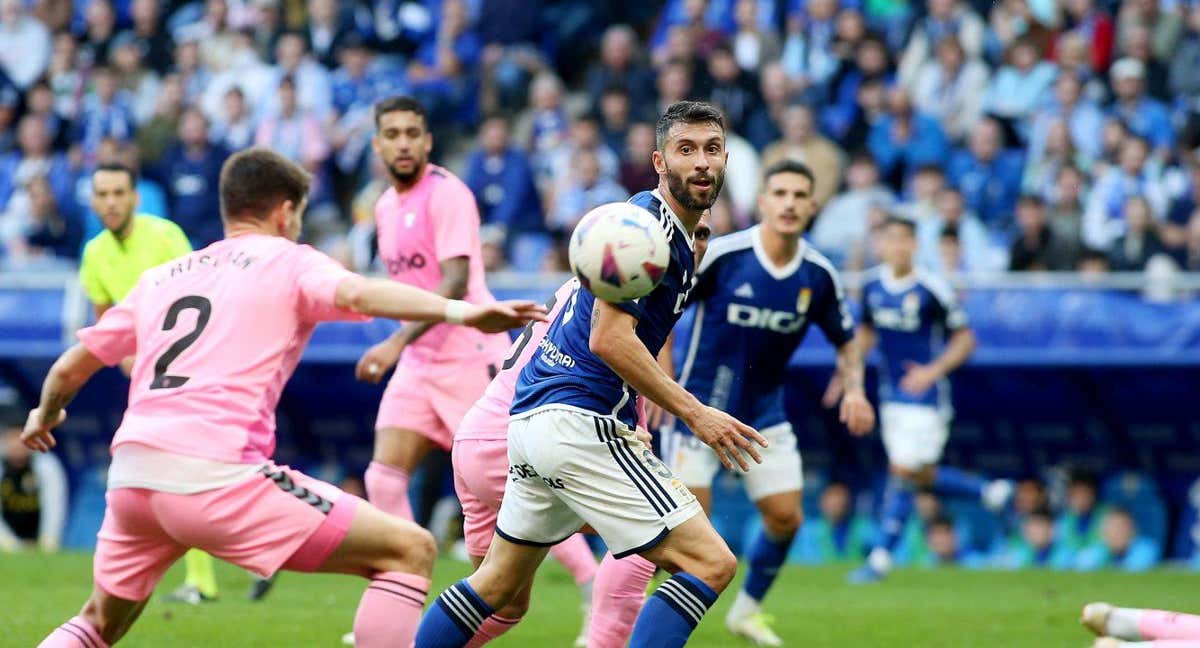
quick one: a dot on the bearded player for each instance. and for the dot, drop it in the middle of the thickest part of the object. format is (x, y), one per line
(574, 454)
(427, 226)
(215, 335)
(481, 469)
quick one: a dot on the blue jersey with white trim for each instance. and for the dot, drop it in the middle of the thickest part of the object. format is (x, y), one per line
(912, 318)
(564, 372)
(750, 317)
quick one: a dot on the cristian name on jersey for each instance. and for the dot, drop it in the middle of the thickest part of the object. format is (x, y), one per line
(912, 317)
(564, 373)
(750, 316)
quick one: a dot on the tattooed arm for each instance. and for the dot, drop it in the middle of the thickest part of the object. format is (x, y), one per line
(69, 373)
(856, 411)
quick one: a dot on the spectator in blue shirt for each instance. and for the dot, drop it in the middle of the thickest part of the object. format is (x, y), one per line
(905, 140)
(1083, 118)
(1143, 115)
(1104, 221)
(189, 171)
(443, 70)
(587, 189)
(501, 178)
(1120, 547)
(1034, 546)
(106, 113)
(615, 117)
(34, 157)
(1019, 87)
(946, 548)
(872, 63)
(620, 64)
(988, 176)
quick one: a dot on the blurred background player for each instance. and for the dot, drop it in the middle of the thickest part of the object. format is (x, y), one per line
(1118, 627)
(33, 491)
(427, 226)
(923, 336)
(573, 427)
(756, 294)
(130, 244)
(217, 335)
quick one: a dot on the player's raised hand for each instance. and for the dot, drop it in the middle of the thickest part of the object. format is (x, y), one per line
(919, 378)
(727, 436)
(502, 316)
(857, 414)
(36, 435)
(378, 360)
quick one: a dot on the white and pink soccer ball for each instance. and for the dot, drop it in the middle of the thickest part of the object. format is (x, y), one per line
(619, 252)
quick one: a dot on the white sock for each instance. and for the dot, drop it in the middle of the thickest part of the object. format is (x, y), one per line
(743, 606)
(1123, 623)
(880, 560)
(585, 591)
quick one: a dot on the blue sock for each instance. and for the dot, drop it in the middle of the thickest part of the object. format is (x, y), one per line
(453, 619)
(671, 613)
(897, 504)
(952, 481)
(766, 557)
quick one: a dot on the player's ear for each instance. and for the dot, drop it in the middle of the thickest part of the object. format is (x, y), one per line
(660, 162)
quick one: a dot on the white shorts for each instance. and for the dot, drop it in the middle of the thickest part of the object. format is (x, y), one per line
(780, 472)
(567, 468)
(913, 435)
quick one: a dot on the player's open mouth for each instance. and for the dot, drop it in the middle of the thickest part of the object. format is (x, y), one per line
(702, 184)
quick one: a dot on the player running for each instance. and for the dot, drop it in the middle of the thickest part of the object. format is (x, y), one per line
(427, 225)
(1117, 627)
(216, 335)
(572, 448)
(757, 292)
(923, 336)
(480, 459)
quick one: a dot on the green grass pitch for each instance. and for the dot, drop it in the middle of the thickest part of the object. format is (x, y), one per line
(813, 607)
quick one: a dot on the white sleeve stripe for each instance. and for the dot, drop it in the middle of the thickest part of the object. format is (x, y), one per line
(839, 291)
(940, 291)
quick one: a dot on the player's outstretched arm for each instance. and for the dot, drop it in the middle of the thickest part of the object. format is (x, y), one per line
(614, 340)
(919, 378)
(856, 411)
(383, 298)
(66, 377)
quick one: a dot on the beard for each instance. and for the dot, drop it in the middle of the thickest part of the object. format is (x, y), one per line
(410, 177)
(681, 191)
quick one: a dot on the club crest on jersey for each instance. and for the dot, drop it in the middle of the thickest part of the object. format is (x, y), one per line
(911, 303)
(409, 218)
(803, 300)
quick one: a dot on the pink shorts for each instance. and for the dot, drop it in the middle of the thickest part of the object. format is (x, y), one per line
(480, 473)
(279, 518)
(432, 398)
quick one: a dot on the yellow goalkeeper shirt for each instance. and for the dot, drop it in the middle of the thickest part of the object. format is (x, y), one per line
(111, 267)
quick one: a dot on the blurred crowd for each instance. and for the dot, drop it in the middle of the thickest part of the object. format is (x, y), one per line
(1020, 134)
(1068, 521)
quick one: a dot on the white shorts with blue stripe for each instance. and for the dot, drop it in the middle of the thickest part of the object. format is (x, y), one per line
(568, 467)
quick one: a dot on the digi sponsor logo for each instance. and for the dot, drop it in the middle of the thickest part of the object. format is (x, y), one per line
(402, 263)
(764, 318)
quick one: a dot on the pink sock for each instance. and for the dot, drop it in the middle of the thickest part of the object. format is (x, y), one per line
(75, 633)
(387, 489)
(1176, 643)
(575, 554)
(492, 627)
(390, 610)
(1160, 624)
(620, 591)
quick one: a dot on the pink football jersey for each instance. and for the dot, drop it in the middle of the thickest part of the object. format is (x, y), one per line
(497, 399)
(216, 335)
(435, 220)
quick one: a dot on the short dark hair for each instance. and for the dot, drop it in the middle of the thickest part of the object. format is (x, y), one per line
(686, 112)
(949, 232)
(118, 167)
(256, 180)
(901, 220)
(1032, 200)
(1081, 477)
(399, 103)
(789, 166)
(942, 521)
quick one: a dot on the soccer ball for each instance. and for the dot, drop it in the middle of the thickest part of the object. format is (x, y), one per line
(619, 252)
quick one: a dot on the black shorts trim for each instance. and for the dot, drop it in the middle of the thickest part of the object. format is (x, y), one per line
(646, 547)
(529, 543)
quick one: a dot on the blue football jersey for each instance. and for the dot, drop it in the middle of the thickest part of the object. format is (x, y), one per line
(750, 316)
(912, 317)
(564, 373)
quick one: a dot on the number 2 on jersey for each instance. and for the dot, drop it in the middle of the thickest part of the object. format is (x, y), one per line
(203, 309)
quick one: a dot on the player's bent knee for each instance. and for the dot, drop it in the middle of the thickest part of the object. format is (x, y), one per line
(416, 549)
(784, 524)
